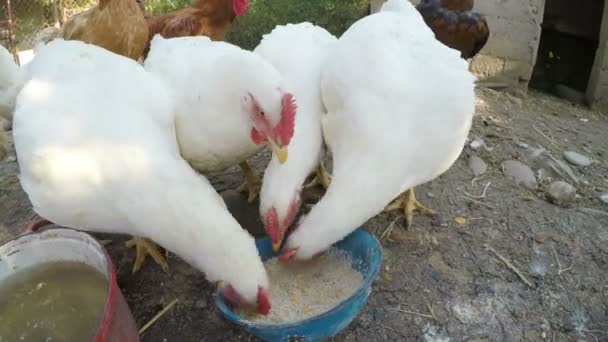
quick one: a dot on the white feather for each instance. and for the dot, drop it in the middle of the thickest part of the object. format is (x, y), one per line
(400, 105)
(300, 65)
(11, 81)
(209, 81)
(95, 140)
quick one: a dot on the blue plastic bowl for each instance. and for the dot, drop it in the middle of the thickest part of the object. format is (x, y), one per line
(366, 256)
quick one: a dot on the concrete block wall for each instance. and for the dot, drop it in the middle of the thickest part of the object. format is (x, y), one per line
(597, 90)
(510, 54)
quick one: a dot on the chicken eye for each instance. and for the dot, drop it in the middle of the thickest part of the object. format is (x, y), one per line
(262, 113)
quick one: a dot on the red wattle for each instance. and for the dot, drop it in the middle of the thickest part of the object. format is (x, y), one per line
(257, 137)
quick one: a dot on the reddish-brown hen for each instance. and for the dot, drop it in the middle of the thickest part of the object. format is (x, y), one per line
(456, 25)
(211, 18)
(115, 25)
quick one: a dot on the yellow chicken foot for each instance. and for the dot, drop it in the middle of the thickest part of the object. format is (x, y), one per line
(408, 202)
(322, 178)
(145, 247)
(251, 183)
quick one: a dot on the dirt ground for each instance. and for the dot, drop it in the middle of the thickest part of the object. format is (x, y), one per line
(447, 278)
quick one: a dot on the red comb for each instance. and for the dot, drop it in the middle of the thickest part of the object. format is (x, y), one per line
(285, 129)
(272, 224)
(239, 7)
(263, 302)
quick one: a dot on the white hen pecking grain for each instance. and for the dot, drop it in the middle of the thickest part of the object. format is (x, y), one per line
(306, 289)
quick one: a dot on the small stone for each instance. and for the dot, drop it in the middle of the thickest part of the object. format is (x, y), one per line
(476, 144)
(561, 193)
(522, 145)
(477, 165)
(576, 159)
(430, 195)
(520, 173)
(604, 197)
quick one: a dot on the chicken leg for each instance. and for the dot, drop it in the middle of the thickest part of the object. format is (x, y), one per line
(322, 177)
(251, 184)
(408, 202)
(145, 247)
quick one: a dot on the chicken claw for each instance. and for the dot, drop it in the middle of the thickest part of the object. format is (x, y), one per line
(145, 247)
(251, 184)
(408, 202)
(322, 178)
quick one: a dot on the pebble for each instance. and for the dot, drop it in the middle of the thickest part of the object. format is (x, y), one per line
(520, 173)
(430, 195)
(561, 193)
(604, 197)
(476, 144)
(576, 159)
(522, 145)
(477, 165)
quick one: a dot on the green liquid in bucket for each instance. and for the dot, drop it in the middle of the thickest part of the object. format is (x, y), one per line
(55, 301)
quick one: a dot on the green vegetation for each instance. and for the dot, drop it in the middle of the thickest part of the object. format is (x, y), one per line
(164, 6)
(263, 15)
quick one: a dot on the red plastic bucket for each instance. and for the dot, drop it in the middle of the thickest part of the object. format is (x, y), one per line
(61, 244)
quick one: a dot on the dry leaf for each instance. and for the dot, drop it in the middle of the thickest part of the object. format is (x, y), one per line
(460, 220)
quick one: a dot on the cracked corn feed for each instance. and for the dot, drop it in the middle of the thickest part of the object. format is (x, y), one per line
(300, 290)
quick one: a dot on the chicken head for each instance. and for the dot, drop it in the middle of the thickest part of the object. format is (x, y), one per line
(261, 306)
(239, 7)
(271, 124)
(276, 225)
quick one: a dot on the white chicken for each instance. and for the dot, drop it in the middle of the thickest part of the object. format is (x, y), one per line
(95, 140)
(300, 65)
(399, 108)
(229, 102)
(11, 80)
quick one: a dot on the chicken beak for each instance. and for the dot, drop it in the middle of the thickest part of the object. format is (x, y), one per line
(281, 152)
(276, 246)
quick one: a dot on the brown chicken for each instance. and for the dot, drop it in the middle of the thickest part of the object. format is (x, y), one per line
(456, 25)
(211, 18)
(116, 25)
